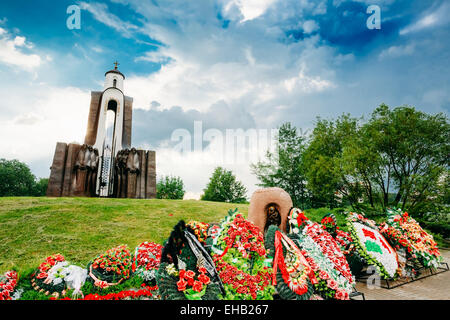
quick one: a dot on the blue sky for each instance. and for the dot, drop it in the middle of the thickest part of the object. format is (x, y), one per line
(228, 63)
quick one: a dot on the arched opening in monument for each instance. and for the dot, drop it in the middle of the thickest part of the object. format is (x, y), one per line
(108, 151)
(115, 83)
(273, 216)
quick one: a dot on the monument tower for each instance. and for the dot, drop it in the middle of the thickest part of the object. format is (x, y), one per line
(105, 165)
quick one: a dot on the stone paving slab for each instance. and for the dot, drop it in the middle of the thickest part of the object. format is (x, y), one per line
(436, 287)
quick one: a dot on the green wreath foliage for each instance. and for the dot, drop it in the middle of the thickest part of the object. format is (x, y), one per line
(168, 290)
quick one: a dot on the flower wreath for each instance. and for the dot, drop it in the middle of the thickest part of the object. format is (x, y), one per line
(147, 257)
(187, 270)
(111, 267)
(240, 258)
(335, 280)
(8, 283)
(372, 247)
(407, 259)
(342, 238)
(292, 275)
(40, 280)
(55, 276)
(416, 240)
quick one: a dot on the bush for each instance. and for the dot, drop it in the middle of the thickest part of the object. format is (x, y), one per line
(40, 187)
(16, 179)
(224, 187)
(170, 188)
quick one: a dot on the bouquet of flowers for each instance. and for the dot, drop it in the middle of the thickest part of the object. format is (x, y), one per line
(147, 257)
(418, 243)
(372, 247)
(111, 267)
(293, 277)
(55, 276)
(8, 282)
(342, 238)
(407, 259)
(200, 230)
(187, 271)
(240, 258)
(334, 278)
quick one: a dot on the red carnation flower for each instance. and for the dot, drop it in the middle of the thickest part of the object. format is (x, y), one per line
(190, 274)
(42, 275)
(198, 286)
(323, 275)
(181, 285)
(332, 284)
(204, 279)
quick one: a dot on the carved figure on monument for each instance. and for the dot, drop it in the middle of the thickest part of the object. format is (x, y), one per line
(132, 172)
(92, 171)
(80, 168)
(121, 173)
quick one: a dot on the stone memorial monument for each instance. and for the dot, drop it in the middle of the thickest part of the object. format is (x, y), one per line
(105, 165)
(269, 206)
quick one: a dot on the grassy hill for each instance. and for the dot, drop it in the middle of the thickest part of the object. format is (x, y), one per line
(80, 228)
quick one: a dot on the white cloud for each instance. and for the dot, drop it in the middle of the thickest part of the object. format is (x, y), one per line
(11, 52)
(435, 18)
(304, 83)
(310, 26)
(101, 13)
(192, 195)
(58, 114)
(397, 51)
(249, 9)
(425, 22)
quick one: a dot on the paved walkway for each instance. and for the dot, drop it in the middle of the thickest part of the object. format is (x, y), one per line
(436, 287)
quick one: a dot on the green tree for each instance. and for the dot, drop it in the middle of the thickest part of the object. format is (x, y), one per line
(413, 149)
(224, 187)
(170, 187)
(323, 162)
(16, 179)
(40, 187)
(285, 168)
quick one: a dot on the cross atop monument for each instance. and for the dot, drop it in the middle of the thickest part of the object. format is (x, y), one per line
(116, 64)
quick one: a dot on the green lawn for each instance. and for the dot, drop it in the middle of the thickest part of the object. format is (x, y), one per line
(80, 228)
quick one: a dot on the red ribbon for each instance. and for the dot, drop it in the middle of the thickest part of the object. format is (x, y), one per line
(279, 259)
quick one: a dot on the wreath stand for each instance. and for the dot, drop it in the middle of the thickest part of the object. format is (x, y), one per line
(424, 272)
(356, 294)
